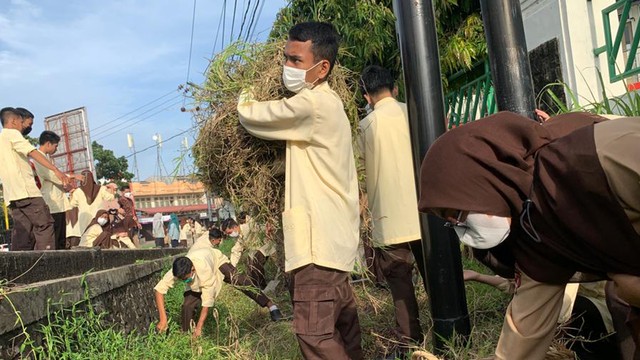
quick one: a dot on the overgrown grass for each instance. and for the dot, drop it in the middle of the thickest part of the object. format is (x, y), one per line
(239, 329)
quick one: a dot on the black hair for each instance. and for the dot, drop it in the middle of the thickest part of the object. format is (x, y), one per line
(242, 217)
(182, 267)
(215, 233)
(375, 79)
(228, 223)
(26, 114)
(5, 112)
(49, 137)
(324, 40)
(125, 187)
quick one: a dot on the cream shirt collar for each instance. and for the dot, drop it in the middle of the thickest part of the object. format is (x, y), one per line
(382, 102)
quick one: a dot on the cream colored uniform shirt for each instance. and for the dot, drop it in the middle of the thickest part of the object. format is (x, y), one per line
(52, 188)
(208, 279)
(321, 221)
(202, 242)
(385, 144)
(89, 236)
(15, 171)
(87, 212)
(249, 238)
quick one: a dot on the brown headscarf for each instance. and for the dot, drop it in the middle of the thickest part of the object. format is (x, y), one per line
(487, 167)
(89, 187)
(103, 240)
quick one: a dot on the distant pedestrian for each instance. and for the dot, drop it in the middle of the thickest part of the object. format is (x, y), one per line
(174, 230)
(33, 224)
(158, 230)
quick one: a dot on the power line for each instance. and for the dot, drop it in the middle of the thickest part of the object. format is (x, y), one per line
(257, 19)
(244, 18)
(125, 122)
(193, 25)
(215, 42)
(131, 112)
(233, 19)
(163, 141)
(224, 21)
(139, 121)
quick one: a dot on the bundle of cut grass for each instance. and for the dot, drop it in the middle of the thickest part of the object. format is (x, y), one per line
(246, 170)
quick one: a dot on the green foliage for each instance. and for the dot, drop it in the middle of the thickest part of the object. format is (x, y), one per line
(627, 104)
(368, 31)
(109, 167)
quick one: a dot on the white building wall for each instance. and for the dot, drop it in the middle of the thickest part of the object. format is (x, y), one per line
(578, 26)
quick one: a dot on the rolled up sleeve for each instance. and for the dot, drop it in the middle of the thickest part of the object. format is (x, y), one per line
(165, 283)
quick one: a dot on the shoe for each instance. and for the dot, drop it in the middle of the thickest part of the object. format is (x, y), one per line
(276, 315)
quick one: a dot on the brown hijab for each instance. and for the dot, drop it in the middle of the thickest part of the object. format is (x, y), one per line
(487, 167)
(104, 240)
(90, 188)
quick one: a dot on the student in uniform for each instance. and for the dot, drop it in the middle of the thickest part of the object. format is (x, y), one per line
(52, 188)
(90, 197)
(247, 237)
(321, 220)
(203, 270)
(33, 224)
(554, 203)
(211, 238)
(385, 145)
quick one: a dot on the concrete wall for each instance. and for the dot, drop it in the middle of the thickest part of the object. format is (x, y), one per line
(124, 291)
(26, 267)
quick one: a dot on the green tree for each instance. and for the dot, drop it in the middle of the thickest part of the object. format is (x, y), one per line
(369, 35)
(109, 167)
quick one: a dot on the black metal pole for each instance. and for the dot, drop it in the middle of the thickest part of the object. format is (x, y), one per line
(508, 56)
(425, 103)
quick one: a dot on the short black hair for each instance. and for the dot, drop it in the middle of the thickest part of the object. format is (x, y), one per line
(125, 187)
(182, 266)
(26, 114)
(242, 217)
(215, 233)
(5, 112)
(49, 136)
(375, 79)
(324, 40)
(228, 223)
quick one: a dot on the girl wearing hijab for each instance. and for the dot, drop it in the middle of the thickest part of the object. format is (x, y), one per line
(89, 198)
(98, 226)
(158, 230)
(174, 230)
(546, 204)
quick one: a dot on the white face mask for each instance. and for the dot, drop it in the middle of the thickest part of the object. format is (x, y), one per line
(127, 194)
(102, 221)
(368, 109)
(483, 231)
(234, 234)
(296, 79)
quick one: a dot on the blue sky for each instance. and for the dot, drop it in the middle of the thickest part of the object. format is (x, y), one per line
(113, 57)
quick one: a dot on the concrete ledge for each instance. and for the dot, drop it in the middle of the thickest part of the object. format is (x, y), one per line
(35, 301)
(28, 267)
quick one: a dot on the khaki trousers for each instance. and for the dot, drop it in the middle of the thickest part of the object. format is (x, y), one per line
(531, 320)
(325, 318)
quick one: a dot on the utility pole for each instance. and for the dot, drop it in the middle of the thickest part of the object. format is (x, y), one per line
(159, 165)
(508, 56)
(425, 103)
(132, 148)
